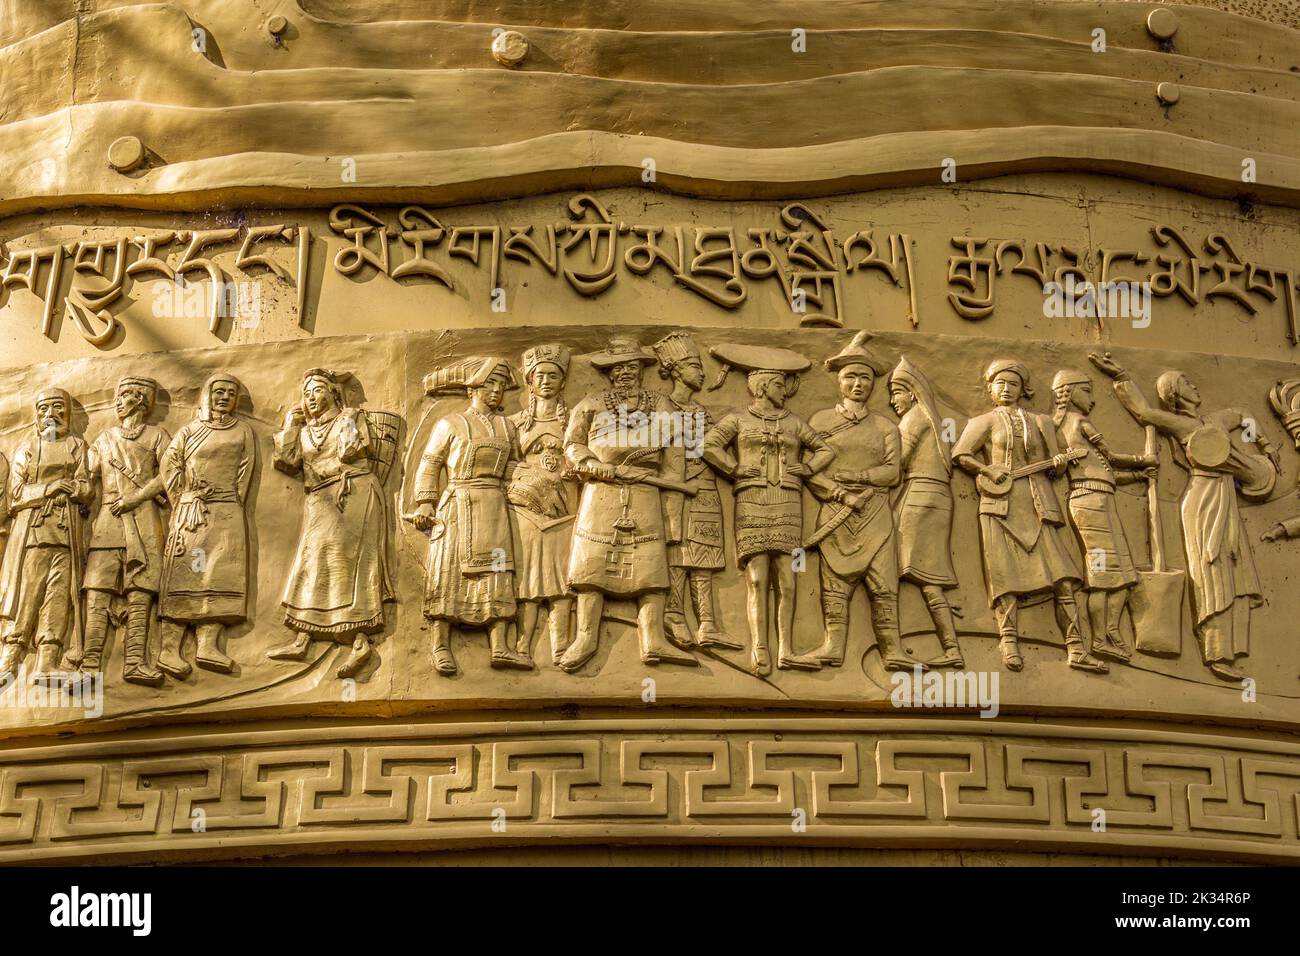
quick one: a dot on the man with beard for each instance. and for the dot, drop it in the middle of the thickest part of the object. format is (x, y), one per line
(126, 539)
(623, 446)
(41, 572)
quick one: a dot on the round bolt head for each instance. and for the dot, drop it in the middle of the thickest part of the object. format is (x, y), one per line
(126, 153)
(509, 47)
(1168, 93)
(275, 25)
(1162, 24)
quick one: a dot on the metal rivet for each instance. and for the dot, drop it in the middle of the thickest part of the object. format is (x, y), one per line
(509, 47)
(1162, 24)
(126, 153)
(1168, 93)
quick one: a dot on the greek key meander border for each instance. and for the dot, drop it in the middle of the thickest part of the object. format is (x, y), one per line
(1236, 814)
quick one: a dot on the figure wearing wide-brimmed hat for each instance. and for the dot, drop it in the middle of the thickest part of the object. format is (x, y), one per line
(693, 561)
(761, 449)
(461, 500)
(1220, 565)
(540, 496)
(339, 580)
(208, 472)
(855, 522)
(126, 539)
(40, 579)
(1107, 562)
(623, 444)
(923, 513)
(1020, 518)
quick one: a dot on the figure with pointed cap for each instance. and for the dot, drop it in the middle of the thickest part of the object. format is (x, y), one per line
(1108, 563)
(623, 445)
(923, 514)
(339, 580)
(208, 473)
(854, 491)
(460, 496)
(1220, 565)
(696, 558)
(541, 497)
(761, 449)
(126, 538)
(40, 578)
(1021, 531)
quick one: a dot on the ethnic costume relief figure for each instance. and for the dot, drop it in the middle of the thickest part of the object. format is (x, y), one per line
(1224, 582)
(41, 573)
(623, 445)
(694, 560)
(126, 539)
(1107, 562)
(761, 450)
(539, 494)
(1012, 452)
(924, 509)
(855, 526)
(208, 472)
(340, 577)
(470, 579)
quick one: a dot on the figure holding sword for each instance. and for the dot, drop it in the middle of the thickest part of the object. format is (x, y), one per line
(1011, 451)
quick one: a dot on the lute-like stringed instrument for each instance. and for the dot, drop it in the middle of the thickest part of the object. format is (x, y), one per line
(1002, 486)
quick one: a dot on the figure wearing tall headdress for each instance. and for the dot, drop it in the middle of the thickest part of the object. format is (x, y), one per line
(126, 539)
(40, 578)
(340, 579)
(208, 473)
(761, 449)
(541, 497)
(693, 561)
(923, 513)
(1021, 523)
(460, 496)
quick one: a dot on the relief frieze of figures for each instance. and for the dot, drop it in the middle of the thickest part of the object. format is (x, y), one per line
(546, 520)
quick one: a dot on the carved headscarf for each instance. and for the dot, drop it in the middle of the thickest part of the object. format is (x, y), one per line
(330, 380)
(915, 381)
(205, 397)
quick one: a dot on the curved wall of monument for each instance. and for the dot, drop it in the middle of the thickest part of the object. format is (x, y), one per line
(434, 425)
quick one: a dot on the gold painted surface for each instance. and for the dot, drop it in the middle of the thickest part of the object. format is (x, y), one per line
(326, 528)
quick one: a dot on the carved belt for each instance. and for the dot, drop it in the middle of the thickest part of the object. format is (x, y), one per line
(1085, 486)
(343, 479)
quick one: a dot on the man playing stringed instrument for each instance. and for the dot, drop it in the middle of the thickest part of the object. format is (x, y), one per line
(1011, 452)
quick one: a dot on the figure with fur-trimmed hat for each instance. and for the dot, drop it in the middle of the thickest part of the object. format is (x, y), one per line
(761, 449)
(1013, 453)
(623, 444)
(40, 577)
(694, 560)
(854, 493)
(923, 513)
(460, 498)
(208, 473)
(126, 538)
(541, 498)
(339, 581)
(1108, 563)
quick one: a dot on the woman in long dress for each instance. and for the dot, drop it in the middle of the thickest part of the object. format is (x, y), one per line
(1220, 566)
(207, 471)
(340, 577)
